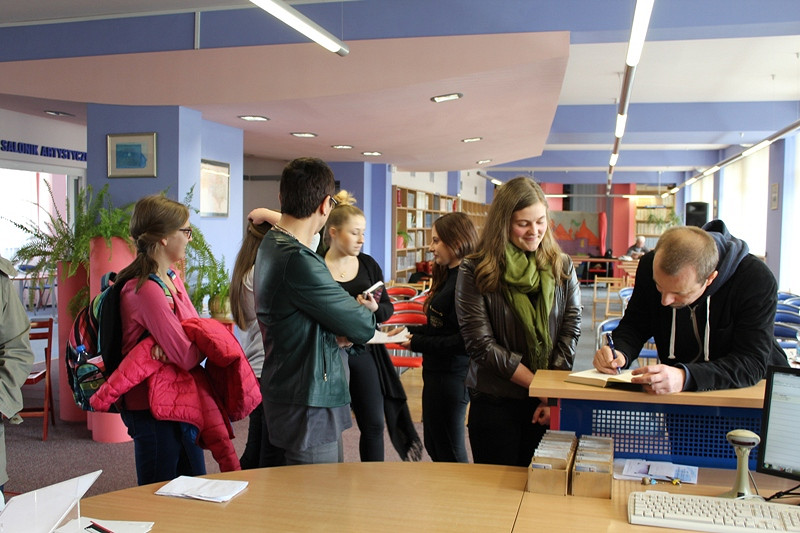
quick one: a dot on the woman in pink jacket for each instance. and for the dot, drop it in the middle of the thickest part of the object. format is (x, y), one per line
(153, 302)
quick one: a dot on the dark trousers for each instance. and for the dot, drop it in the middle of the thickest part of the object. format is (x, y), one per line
(444, 408)
(163, 449)
(367, 404)
(259, 451)
(501, 430)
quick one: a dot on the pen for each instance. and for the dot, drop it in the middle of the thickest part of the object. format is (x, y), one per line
(97, 527)
(610, 343)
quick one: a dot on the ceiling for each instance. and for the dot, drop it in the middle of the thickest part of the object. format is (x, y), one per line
(540, 79)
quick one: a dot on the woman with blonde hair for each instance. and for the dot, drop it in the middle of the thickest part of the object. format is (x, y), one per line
(444, 356)
(518, 303)
(375, 389)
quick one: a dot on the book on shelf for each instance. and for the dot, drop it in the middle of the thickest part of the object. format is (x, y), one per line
(411, 219)
(596, 378)
(411, 239)
(436, 201)
(410, 199)
(422, 200)
(428, 220)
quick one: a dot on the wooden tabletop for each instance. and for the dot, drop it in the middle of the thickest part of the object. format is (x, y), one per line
(551, 384)
(343, 497)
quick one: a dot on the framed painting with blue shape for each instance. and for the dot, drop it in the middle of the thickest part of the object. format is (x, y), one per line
(131, 155)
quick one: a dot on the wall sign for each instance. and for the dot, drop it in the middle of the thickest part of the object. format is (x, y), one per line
(18, 147)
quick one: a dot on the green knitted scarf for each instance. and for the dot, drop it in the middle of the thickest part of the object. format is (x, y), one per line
(530, 292)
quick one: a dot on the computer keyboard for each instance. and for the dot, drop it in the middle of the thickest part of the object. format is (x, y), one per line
(707, 513)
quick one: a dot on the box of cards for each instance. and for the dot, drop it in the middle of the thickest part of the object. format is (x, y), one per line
(593, 467)
(550, 465)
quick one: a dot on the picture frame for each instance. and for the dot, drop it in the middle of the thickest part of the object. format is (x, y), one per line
(215, 179)
(131, 155)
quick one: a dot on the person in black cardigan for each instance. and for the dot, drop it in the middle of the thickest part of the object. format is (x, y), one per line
(444, 356)
(375, 388)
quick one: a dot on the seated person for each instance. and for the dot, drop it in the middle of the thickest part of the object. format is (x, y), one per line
(637, 249)
(709, 305)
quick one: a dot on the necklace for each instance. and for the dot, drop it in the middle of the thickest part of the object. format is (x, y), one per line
(285, 231)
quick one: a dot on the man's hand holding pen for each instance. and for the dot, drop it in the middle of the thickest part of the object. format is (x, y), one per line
(607, 359)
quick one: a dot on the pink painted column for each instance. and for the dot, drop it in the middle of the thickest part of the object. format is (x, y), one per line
(107, 427)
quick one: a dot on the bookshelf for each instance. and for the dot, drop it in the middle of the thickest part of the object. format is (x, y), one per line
(477, 212)
(413, 215)
(653, 215)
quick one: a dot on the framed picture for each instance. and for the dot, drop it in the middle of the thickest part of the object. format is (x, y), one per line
(131, 155)
(214, 188)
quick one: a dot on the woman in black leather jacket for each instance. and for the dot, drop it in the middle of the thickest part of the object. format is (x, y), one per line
(519, 306)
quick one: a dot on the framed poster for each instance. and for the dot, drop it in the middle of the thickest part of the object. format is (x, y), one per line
(214, 188)
(131, 155)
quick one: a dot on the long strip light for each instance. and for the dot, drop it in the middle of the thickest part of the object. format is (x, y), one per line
(641, 21)
(291, 17)
(794, 126)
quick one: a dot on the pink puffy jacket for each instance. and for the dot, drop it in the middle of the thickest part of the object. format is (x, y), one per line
(208, 398)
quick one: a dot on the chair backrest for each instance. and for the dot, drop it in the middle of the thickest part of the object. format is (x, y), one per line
(787, 317)
(794, 300)
(406, 318)
(787, 331)
(625, 293)
(784, 295)
(604, 326)
(791, 308)
(401, 292)
(43, 330)
(408, 305)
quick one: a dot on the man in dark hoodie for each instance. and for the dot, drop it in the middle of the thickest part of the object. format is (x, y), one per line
(710, 307)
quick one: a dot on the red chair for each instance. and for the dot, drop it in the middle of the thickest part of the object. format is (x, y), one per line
(400, 355)
(400, 292)
(408, 305)
(42, 330)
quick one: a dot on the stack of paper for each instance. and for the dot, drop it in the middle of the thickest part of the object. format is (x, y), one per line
(212, 490)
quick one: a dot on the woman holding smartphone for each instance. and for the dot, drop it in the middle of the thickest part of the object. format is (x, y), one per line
(375, 388)
(444, 356)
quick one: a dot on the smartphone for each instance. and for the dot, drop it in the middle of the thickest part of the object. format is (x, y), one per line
(376, 291)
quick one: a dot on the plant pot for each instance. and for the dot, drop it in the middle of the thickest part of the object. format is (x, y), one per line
(68, 287)
(401, 242)
(219, 308)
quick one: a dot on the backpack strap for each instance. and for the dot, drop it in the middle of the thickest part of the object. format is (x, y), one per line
(164, 287)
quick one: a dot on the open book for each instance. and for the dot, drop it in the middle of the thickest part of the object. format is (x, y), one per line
(598, 379)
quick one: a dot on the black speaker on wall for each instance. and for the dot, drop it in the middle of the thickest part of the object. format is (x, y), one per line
(696, 214)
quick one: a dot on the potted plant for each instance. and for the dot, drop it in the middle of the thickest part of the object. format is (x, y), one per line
(207, 277)
(402, 237)
(64, 241)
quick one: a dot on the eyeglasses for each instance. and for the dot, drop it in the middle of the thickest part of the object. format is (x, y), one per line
(187, 231)
(334, 202)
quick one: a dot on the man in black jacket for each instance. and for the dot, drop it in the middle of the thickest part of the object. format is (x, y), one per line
(710, 307)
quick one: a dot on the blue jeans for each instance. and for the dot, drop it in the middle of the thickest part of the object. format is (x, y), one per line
(163, 449)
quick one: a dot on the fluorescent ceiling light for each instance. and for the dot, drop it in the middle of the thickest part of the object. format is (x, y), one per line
(304, 134)
(756, 148)
(664, 194)
(483, 161)
(612, 161)
(635, 196)
(496, 181)
(342, 146)
(691, 181)
(619, 129)
(555, 195)
(711, 170)
(471, 139)
(371, 154)
(446, 97)
(674, 190)
(58, 113)
(641, 20)
(291, 17)
(254, 118)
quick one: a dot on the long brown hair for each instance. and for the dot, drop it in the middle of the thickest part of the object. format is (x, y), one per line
(490, 258)
(458, 234)
(154, 217)
(245, 260)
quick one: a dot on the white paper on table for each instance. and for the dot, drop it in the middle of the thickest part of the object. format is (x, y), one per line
(212, 490)
(635, 469)
(381, 337)
(117, 526)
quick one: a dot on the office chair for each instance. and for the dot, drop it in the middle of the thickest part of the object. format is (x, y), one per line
(400, 292)
(400, 355)
(42, 330)
(789, 308)
(787, 317)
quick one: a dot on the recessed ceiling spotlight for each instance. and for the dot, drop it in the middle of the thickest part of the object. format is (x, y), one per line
(471, 139)
(342, 146)
(483, 161)
(371, 154)
(304, 134)
(58, 113)
(254, 118)
(446, 97)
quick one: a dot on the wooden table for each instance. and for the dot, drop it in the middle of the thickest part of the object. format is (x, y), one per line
(685, 427)
(409, 497)
(342, 497)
